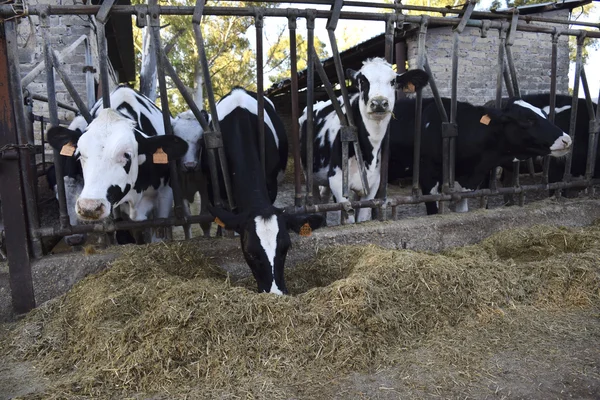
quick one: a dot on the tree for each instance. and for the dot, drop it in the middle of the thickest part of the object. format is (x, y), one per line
(278, 59)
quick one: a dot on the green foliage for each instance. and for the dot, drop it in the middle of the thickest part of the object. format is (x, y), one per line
(278, 59)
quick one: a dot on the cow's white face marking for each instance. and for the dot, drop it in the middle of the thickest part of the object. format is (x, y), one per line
(561, 146)
(108, 153)
(556, 110)
(376, 80)
(187, 127)
(536, 110)
(240, 98)
(267, 230)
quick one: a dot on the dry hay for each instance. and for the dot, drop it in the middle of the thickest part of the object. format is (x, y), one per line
(163, 318)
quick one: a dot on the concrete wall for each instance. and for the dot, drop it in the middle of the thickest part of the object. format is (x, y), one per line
(477, 64)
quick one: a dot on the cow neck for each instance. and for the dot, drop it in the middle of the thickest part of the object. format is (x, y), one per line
(247, 178)
(369, 142)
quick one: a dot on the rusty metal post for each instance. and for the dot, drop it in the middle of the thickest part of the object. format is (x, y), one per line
(260, 95)
(552, 111)
(292, 23)
(11, 185)
(310, 98)
(419, 107)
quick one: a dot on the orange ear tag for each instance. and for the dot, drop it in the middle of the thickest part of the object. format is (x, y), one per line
(219, 222)
(485, 119)
(305, 230)
(409, 88)
(160, 157)
(67, 150)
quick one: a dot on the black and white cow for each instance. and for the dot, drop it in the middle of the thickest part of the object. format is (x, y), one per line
(487, 138)
(187, 127)
(263, 228)
(116, 153)
(372, 110)
(562, 119)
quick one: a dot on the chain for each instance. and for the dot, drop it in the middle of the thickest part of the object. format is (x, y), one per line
(12, 146)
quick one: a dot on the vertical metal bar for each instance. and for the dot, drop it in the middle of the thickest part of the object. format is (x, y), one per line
(70, 88)
(419, 106)
(43, 131)
(310, 96)
(295, 111)
(513, 72)
(103, 61)
(578, 65)
(435, 91)
(89, 75)
(591, 155)
(53, 114)
(164, 101)
(451, 159)
(26, 159)
(258, 23)
(385, 146)
(13, 208)
(507, 82)
(552, 111)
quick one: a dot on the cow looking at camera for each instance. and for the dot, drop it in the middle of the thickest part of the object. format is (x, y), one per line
(372, 110)
(263, 228)
(124, 155)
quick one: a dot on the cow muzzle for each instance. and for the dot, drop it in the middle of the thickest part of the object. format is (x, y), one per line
(379, 107)
(561, 146)
(91, 209)
(189, 166)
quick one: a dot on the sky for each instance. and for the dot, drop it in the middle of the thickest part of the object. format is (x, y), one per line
(368, 29)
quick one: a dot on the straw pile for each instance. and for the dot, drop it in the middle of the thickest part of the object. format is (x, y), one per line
(164, 318)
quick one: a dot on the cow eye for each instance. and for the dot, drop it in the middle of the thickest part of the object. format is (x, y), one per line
(127, 156)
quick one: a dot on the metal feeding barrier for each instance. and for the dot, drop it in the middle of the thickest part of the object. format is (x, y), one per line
(18, 177)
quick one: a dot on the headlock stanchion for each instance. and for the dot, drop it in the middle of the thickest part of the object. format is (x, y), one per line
(17, 134)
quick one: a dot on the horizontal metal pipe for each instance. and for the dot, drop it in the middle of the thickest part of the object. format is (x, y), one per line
(390, 202)
(58, 103)
(7, 11)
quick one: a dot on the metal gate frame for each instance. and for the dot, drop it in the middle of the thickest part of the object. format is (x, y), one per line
(19, 209)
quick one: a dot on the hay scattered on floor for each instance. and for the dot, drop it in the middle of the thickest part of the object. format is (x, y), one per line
(165, 318)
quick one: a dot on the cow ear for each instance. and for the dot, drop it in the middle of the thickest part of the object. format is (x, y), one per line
(295, 222)
(228, 220)
(59, 136)
(174, 146)
(351, 74)
(412, 80)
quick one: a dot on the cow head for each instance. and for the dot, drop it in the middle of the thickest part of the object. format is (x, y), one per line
(265, 241)
(377, 83)
(527, 130)
(110, 151)
(187, 127)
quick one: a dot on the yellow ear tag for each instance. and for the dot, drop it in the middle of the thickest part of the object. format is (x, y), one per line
(305, 230)
(160, 157)
(485, 119)
(409, 88)
(67, 150)
(219, 222)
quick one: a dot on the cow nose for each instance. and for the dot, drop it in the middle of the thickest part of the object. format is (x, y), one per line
(190, 165)
(379, 105)
(90, 208)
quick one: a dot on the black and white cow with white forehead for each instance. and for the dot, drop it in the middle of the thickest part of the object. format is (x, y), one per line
(372, 110)
(116, 153)
(263, 228)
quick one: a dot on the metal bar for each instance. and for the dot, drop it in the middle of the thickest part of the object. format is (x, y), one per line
(26, 158)
(38, 69)
(573, 122)
(513, 72)
(53, 114)
(449, 143)
(310, 96)
(329, 89)
(421, 57)
(13, 207)
(70, 88)
(104, 10)
(524, 25)
(588, 97)
(552, 111)
(40, 97)
(385, 145)
(295, 110)
(103, 58)
(435, 92)
(89, 74)
(591, 156)
(164, 101)
(198, 12)
(258, 23)
(507, 81)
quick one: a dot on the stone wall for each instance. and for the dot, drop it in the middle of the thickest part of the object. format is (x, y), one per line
(477, 64)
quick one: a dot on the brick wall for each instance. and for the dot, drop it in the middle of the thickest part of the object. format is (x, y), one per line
(63, 31)
(532, 54)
